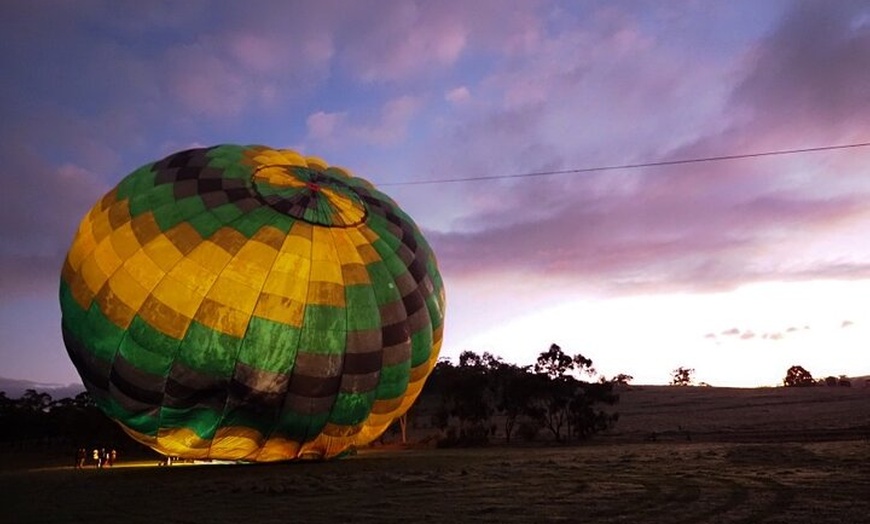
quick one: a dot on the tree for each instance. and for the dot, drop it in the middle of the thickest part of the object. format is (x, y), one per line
(561, 401)
(583, 417)
(797, 376)
(550, 399)
(35, 419)
(465, 392)
(682, 376)
(554, 387)
(470, 397)
(513, 390)
(35, 402)
(622, 379)
(546, 395)
(554, 363)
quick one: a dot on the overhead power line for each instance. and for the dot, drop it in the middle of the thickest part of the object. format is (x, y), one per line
(617, 167)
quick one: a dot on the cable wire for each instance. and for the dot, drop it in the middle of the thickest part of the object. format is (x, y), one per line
(631, 166)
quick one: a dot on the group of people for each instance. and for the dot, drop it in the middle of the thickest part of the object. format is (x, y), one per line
(102, 457)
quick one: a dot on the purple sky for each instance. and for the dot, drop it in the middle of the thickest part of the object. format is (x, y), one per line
(700, 264)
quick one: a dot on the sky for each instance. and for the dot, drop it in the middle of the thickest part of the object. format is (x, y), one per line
(738, 269)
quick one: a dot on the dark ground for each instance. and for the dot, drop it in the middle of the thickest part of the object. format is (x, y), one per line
(756, 456)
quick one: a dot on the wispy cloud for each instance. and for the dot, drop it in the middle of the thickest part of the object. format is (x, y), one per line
(739, 334)
(458, 95)
(706, 226)
(390, 127)
(39, 218)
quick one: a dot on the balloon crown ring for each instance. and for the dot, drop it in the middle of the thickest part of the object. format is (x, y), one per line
(320, 197)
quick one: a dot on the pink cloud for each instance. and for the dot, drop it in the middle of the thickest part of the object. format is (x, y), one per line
(405, 40)
(258, 52)
(666, 244)
(687, 228)
(388, 127)
(704, 226)
(811, 73)
(38, 220)
(395, 117)
(458, 95)
(205, 83)
(746, 335)
(324, 126)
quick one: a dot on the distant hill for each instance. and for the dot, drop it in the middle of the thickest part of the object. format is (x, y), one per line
(15, 388)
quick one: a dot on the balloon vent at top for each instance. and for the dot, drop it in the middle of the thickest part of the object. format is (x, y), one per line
(248, 303)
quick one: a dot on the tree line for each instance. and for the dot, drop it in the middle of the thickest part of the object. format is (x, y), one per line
(36, 419)
(482, 394)
(797, 376)
(473, 400)
(470, 402)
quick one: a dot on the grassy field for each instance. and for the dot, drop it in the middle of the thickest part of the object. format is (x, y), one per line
(756, 456)
(751, 415)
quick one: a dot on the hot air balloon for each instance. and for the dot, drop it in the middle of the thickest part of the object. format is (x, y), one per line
(249, 303)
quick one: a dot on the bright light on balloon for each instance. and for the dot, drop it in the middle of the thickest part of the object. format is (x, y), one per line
(247, 303)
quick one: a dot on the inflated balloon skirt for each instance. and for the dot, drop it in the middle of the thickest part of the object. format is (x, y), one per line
(248, 303)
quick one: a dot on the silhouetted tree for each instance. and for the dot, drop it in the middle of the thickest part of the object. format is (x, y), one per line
(797, 376)
(513, 390)
(466, 397)
(546, 395)
(35, 402)
(682, 376)
(619, 380)
(471, 394)
(563, 401)
(584, 418)
(555, 363)
(549, 402)
(35, 419)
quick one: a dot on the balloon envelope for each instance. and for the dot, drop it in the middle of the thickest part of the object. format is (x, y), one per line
(242, 302)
